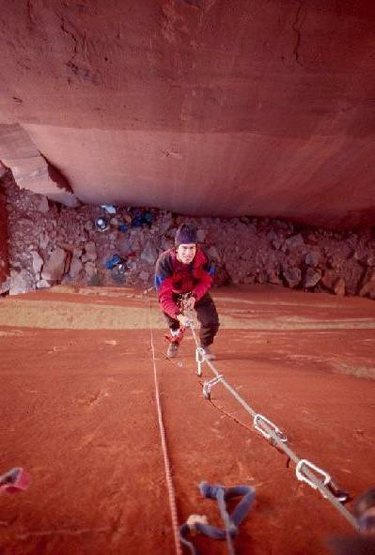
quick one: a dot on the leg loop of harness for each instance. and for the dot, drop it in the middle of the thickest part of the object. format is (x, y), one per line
(198, 523)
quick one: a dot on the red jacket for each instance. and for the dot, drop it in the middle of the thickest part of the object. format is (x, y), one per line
(172, 276)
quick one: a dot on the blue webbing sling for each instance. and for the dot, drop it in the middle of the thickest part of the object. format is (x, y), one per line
(231, 521)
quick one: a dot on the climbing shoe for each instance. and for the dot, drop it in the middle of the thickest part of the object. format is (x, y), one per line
(209, 355)
(172, 349)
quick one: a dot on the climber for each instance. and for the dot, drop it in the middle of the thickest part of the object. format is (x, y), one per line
(183, 277)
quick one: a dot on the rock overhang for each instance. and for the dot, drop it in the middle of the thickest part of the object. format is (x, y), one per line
(197, 107)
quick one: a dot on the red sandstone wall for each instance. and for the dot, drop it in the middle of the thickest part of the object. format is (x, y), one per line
(200, 106)
(4, 268)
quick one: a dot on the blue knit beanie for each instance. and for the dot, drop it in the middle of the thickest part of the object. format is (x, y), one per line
(185, 235)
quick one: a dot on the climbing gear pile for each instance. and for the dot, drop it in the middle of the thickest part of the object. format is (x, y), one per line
(114, 261)
(102, 224)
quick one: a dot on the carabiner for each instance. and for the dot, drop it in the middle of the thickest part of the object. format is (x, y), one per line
(259, 421)
(300, 473)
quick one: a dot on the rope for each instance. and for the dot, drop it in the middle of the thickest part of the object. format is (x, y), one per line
(280, 443)
(167, 464)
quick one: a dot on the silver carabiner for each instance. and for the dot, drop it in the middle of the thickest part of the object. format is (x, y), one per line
(300, 473)
(199, 357)
(207, 386)
(259, 419)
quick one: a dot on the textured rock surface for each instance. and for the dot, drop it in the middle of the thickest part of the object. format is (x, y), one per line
(199, 107)
(4, 268)
(64, 245)
(30, 169)
(54, 268)
(77, 397)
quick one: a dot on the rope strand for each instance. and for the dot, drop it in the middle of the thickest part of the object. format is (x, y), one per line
(167, 464)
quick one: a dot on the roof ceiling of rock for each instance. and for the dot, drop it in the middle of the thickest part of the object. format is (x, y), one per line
(196, 106)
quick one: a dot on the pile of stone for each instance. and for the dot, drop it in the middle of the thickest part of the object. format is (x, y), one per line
(101, 245)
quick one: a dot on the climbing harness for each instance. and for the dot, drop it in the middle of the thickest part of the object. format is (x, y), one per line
(306, 471)
(222, 495)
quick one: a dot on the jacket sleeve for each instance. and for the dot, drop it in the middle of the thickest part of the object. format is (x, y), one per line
(164, 285)
(206, 277)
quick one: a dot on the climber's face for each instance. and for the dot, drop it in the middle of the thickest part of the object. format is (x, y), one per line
(186, 253)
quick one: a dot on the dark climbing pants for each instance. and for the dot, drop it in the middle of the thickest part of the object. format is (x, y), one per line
(207, 317)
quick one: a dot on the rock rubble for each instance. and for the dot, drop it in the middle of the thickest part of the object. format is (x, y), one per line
(50, 243)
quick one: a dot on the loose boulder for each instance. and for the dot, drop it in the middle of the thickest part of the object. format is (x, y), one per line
(54, 268)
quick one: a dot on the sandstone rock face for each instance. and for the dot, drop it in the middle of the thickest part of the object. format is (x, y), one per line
(53, 269)
(312, 277)
(368, 288)
(292, 276)
(30, 169)
(20, 282)
(150, 253)
(90, 252)
(76, 267)
(63, 245)
(196, 107)
(4, 265)
(37, 262)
